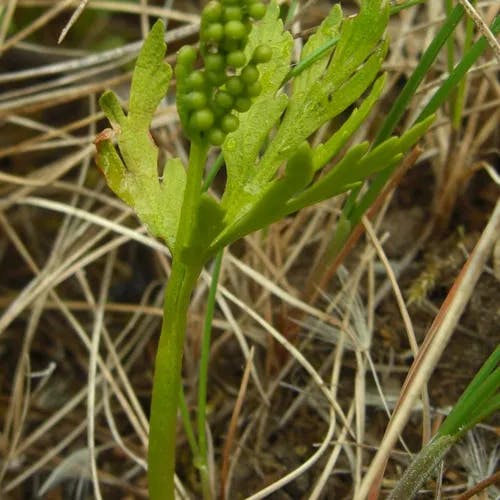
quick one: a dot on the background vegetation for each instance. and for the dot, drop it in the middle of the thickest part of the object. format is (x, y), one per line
(81, 282)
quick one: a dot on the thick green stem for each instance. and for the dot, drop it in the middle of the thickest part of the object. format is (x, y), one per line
(421, 467)
(168, 366)
(166, 384)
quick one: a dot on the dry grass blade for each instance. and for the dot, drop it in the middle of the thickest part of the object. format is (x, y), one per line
(226, 460)
(332, 460)
(482, 26)
(117, 6)
(96, 336)
(482, 485)
(36, 24)
(76, 14)
(6, 19)
(426, 434)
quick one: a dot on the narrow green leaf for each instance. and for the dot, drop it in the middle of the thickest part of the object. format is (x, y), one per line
(212, 172)
(405, 5)
(325, 152)
(322, 52)
(328, 30)
(270, 205)
(457, 75)
(201, 457)
(334, 182)
(457, 418)
(483, 411)
(112, 167)
(403, 100)
(358, 38)
(150, 79)
(383, 154)
(112, 109)
(411, 136)
(379, 181)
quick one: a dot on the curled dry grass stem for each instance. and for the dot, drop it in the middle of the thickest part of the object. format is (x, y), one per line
(93, 355)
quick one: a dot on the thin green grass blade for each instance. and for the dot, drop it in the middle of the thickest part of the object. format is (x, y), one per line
(481, 398)
(188, 426)
(450, 44)
(292, 11)
(455, 419)
(403, 101)
(457, 75)
(489, 408)
(441, 95)
(404, 5)
(212, 172)
(311, 59)
(202, 457)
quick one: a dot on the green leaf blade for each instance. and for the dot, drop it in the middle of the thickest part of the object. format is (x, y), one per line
(323, 153)
(112, 167)
(242, 149)
(359, 37)
(328, 31)
(150, 79)
(133, 174)
(270, 204)
(112, 109)
(334, 182)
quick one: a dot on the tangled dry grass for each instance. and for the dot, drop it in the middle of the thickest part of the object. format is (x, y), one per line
(303, 380)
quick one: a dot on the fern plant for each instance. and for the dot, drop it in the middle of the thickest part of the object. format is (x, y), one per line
(240, 91)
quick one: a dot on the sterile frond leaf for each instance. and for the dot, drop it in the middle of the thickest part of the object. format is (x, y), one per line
(133, 173)
(328, 31)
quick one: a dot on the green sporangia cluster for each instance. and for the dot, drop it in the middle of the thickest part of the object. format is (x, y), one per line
(209, 98)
